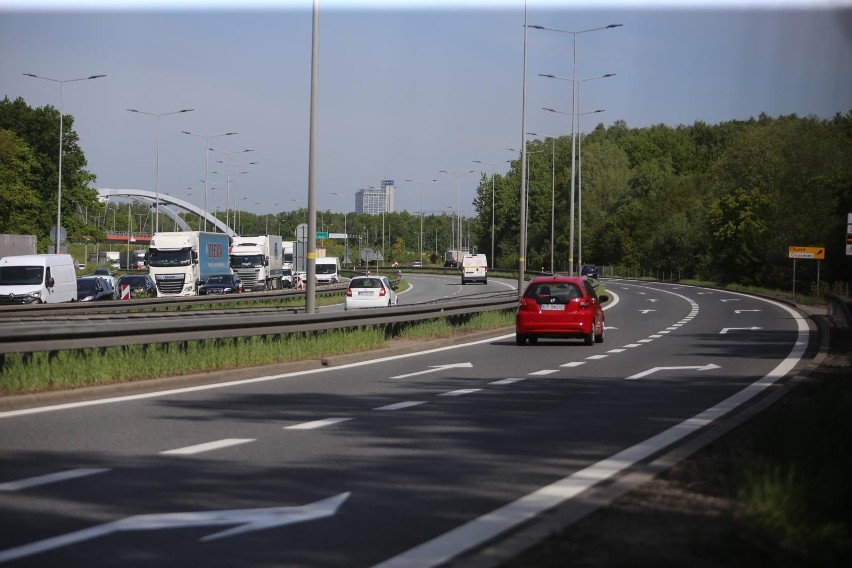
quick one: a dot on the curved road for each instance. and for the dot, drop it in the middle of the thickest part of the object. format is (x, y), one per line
(402, 461)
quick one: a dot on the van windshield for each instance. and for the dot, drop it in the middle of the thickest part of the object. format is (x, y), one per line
(17, 275)
(326, 269)
(169, 258)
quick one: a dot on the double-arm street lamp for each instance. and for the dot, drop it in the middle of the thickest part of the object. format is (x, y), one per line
(421, 182)
(59, 188)
(458, 200)
(158, 115)
(574, 35)
(207, 138)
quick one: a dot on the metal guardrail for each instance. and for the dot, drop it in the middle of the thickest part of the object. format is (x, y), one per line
(839, 310)
(138, 329)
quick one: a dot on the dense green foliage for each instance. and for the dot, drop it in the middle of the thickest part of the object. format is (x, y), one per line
(714, 202)
(29, 175)
(719, 202)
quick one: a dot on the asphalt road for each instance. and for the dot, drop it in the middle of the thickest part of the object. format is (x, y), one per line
(410, 460)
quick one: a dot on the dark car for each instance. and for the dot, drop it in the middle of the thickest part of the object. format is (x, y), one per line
(221, 284)
(560, 306)
(589, 270)
(141, 285)
(94, 289)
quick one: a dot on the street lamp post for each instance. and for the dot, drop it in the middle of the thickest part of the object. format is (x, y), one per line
(59, 187)
(207, 138)
(158, 115)
(573, 175)
(525, 155)
(345, 227)
(574, 35)
(421, 182)
(458, 200)
(552, 193)
(493, 166)
(228, 174)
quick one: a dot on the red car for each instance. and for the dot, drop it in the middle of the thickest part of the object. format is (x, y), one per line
(560, 306)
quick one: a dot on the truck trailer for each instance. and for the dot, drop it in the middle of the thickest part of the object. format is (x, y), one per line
(179, 262)
(258, 261)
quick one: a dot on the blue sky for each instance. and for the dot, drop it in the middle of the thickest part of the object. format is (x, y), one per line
(405, 88)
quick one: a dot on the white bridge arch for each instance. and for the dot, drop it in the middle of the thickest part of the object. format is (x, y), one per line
(150, 198)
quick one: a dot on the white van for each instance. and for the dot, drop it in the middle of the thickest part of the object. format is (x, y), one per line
(37, 279)
(328, 270)
(474, 268)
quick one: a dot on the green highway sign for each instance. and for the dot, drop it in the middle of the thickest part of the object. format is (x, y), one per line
(322, 234)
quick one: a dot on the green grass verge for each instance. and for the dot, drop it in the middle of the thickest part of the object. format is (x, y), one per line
(39, 372)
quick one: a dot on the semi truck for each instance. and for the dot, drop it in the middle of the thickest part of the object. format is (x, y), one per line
(179, 262)
(258, 261)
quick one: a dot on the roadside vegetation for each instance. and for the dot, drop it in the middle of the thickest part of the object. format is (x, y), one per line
(60, 370)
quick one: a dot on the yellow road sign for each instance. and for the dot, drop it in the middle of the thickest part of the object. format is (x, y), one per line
(815, 253)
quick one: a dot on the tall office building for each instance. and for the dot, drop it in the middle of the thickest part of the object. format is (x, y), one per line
(375, 201)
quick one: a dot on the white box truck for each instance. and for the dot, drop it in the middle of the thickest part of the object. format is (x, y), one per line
(328, 270)
(179, 262)
(37, 279)
(258, 261)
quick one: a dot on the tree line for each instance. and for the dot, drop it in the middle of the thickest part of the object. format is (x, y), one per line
(717, 202)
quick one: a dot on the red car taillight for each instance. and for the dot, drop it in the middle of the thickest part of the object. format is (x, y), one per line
(383, 291)
(349, 292)
(529, 304)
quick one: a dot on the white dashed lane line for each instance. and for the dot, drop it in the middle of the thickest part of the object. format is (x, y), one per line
(401, 405)
(314, 424)
(207, 447)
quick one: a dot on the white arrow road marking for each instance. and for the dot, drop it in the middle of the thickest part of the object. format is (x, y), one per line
(730, 300)
(707, 367)
(646, 311)
(727, 329)
(652, 300)
(49, 478)
(743, 311)
(247, 520)
(435, 368)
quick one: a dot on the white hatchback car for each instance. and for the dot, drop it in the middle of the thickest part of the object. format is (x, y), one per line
(369, 292)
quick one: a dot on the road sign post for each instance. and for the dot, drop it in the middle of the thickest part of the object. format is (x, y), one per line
(808, 253)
